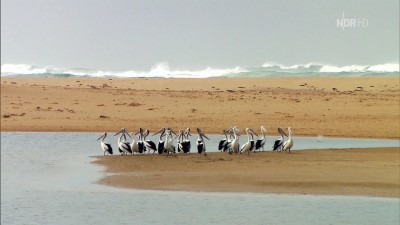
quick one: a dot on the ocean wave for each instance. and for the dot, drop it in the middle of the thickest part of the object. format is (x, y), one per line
(162, 70)
(315, 67)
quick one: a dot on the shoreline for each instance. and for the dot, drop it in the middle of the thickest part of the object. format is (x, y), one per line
(360, 172)
(312, 106)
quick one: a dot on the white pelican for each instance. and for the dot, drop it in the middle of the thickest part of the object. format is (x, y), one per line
(168, 146)
(261, 142)
(186, 142)
(105, 146)
(201, 145)
(252, 145)
(278, 144)
(289, 143)
(223, 144)
(180, 140)
(231, 137)
(235, 142)
(134, 144)
(160, 140)
(247, 146)
(123, 145)
(141, 147)
(150, 145)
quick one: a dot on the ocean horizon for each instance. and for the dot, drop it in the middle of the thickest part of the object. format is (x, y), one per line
(162, 70)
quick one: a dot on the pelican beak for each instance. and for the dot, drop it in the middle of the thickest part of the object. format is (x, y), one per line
(173, 132)
(282, 132)
(129, 135)
(100, 137)
(202, 134)
(253, 132)
(161, 130)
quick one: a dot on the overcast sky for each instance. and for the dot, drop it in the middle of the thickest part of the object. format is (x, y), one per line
(188, 34)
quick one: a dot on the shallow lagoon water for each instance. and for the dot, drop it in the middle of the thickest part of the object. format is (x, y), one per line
(47, 178)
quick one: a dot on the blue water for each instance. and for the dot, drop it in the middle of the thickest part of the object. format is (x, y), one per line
(47, 178)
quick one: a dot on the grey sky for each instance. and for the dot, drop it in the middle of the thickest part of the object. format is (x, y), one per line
(123, 35)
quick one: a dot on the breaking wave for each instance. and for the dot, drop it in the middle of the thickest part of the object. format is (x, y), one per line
(314, 67)
(162, 70)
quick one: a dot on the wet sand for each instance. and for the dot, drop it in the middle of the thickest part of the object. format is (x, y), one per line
(343, 107)
(369, 172)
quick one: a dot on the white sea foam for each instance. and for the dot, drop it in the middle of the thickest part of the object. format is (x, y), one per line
(328, 68)
(21, 69)
(162, 70)
(388, 67)
(338, 69)
(159, 70)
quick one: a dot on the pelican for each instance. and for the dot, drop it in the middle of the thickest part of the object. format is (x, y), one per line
(186, 142)
(278, 144)
(180, 140)
(150, 145)
(141, 147)
(252, 145)
(261, 142)
(231, 137)
(223, 144)
(201, 145)
(289, 143)
(160, 140)
(134, 144)
(105, 146)
(247, 146)
(235, 142)
(123, 145)
(168, 146)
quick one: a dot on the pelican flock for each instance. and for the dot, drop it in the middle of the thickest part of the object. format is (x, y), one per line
(139, 143)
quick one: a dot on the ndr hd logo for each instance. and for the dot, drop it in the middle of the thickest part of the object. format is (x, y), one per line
(351, 22)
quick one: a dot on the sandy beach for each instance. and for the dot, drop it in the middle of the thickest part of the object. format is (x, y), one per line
(370, 172)
(365, 107)
(344, 107)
